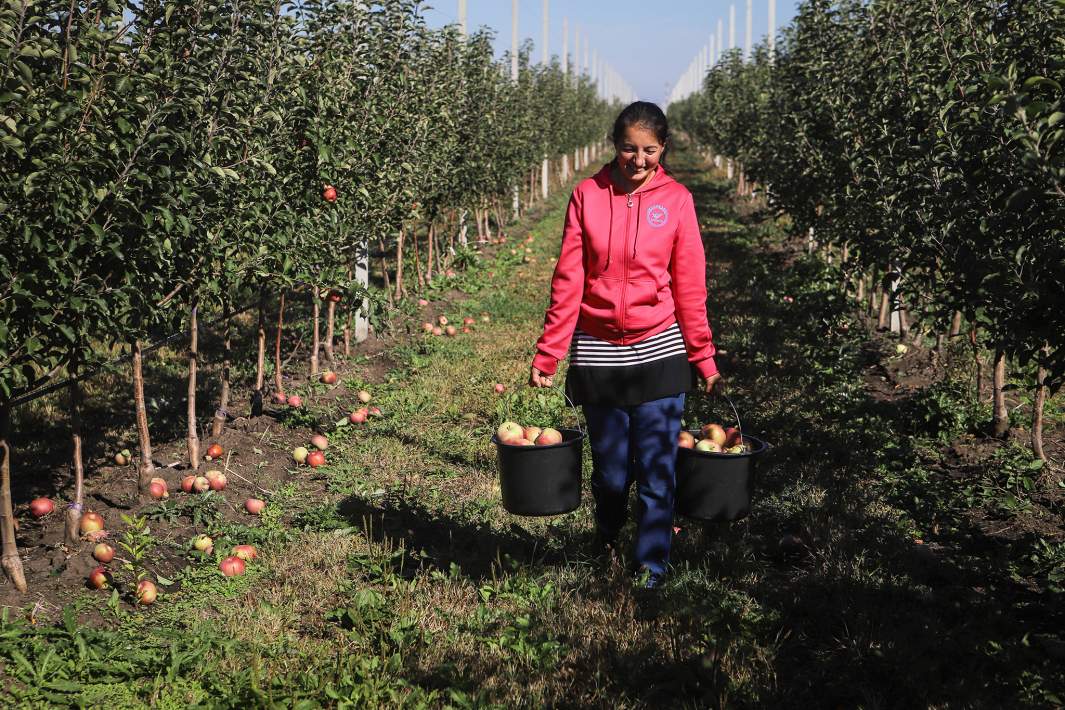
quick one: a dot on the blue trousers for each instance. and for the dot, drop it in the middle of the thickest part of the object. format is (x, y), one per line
(636, 443)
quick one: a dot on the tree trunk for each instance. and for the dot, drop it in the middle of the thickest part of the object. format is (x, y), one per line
(384, 274)
(278, 384)
(1000, 419)
(1038, 406)
(399, 266)
(417, 258)
(146, 469)
(193, 438)
(348, 309)
(977, 364)
(316, 342)
(221, 414)
(429, 257)
(330, 331)
(904, 324)
(883, 321)
(860, 296)
(73, 516)
(260, 361)
(9, 559)
(955, 324)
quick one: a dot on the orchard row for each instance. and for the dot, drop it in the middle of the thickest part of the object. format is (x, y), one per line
(164, 164)
(919, 143)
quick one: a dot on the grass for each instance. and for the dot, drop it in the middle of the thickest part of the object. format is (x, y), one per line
(408, 585)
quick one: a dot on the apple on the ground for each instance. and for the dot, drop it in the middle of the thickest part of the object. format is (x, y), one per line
(232, 566)
(254, 505)
(299, 454)
(40, 507)
(146, 592)
(103, 552)
(91, 522)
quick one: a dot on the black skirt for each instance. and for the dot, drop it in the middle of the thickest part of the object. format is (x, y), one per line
(612, 375)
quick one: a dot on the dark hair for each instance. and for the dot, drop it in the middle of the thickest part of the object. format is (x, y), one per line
(647, 115)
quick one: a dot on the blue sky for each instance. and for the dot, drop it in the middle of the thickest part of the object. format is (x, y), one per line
(648, 43)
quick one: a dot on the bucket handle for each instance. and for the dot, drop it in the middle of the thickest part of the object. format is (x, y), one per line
(576, 412)
(736, 414)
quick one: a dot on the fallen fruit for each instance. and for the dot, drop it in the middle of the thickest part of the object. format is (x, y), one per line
(40, 507)
(299, 454)
(103, 552)
(320, 442)
(201, 484)
(214, 451)
(485, 318)
(427, 327)
(203, 543)
(451, 331)
(245, 552)
(219, 482)
(315, 459)
(91, 522)
(146, 592)
(123, 457)
(466, 329)
(295, 401)
(187, 483)
(901, 349)
(329, 377)
(280, 398)
(500, 388)
(359, 415)
(254, 505)
(329, 193)
(442, 320)
(468, 320)
(232, 566)
(375, 412)
(422, 302)
(437, 330)
(98, 578)
(158, 490)
(364, 396)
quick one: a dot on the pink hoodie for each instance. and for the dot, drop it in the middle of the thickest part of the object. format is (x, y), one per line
(630, 266)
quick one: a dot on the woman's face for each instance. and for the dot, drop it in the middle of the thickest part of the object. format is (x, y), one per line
(638, 153)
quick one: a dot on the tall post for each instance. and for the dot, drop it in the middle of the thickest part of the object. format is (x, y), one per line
(713, 51)
(545, 59)
(362, 277)
(462, 19)
(516, 201)
(732, 26)
(565, 73)
(720, 37)
(750, 30)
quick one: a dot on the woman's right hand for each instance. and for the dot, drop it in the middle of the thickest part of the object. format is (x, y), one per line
(539, 379)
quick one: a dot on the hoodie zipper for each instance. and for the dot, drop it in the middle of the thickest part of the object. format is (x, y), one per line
(625, 281)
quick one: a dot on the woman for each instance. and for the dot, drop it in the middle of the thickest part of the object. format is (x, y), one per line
(629, 293)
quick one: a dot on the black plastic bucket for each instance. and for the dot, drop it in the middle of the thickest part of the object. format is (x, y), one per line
(541, 480)
(716, 486)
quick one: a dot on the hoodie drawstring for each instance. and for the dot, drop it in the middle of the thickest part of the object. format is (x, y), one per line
(610, 232)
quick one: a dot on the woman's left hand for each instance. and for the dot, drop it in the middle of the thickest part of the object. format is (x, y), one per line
(715, 384)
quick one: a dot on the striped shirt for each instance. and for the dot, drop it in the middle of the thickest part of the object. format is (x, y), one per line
(589, 351)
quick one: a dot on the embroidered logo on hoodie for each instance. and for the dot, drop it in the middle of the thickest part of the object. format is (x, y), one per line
(657, 216)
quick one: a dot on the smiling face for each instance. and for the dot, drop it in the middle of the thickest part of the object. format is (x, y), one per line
(638, 153)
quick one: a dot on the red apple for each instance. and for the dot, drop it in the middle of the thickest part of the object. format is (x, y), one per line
(732, 437)
(295, 401)
(40, 507)
(245, 552)
(329, 193)
(451, 331)
(280, 398)
(468, 320)
(467, 329)
(320, 442)
(715, 433)
(146, 592)
(103, 552)
(442, 320)
(232, 566)
(427, 327)
(91, 522)
(375, 411)
(531, 432)
(254, 505)
(549, 437)
(524, 442)
(422, 302)
(500, 388)
(214, 451)
(201, 485)
(315, 459)
(510, 432)
(329, 377)
(219, 482)
(203, 543)
(98, 578)
(450, 273)
(334, 296)
(364, 396)
(359, 415)
(685, 440)
(437, 330)
(187, 483)
(158, 490)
